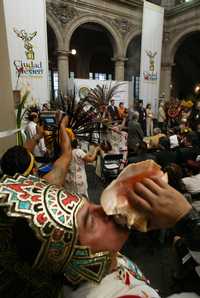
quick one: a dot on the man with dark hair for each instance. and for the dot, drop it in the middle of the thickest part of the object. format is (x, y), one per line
(190, 151)
(113, 111)
(49, 236)
(15, 160)
(142, 115)
(40, 150)
(135, 133)
(20, 160)
(165, 155)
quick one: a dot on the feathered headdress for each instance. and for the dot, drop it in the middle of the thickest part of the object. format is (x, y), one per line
(85, 115)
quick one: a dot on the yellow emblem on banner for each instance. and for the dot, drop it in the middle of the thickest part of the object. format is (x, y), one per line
(30, 55)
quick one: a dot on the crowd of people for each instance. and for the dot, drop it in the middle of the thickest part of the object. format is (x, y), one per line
(70, 247)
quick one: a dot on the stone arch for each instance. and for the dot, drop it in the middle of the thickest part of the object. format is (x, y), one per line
(56, 30)
(132, 52)
(178, 39)
(116, 39)
(129, 38)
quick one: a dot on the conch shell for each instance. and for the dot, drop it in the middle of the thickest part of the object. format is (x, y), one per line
(114, 198)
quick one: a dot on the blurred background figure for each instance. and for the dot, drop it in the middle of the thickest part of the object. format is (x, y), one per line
(142, 154)
(161, 116)
(135, 133)
(154, 140)
(165, 155)
(149, 120)
(195, 115)
(40, 150)
(121, 110)
(76, 178)
(113, 111)
(142, 115)
(173, 135)
(45, 107)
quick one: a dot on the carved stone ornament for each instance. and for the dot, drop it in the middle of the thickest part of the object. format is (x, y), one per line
(123, 25)
(166, 36)
(62, 11)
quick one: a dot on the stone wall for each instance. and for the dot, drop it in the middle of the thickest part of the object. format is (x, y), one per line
(123, 21)
(7, 114)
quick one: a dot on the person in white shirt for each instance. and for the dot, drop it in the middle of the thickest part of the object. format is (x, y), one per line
(40, 149)
(76, 178)
(192, 184)
(149, 120)
(161, 116)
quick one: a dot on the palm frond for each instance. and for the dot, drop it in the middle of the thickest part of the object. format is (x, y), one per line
(85, 114)
(103, 94)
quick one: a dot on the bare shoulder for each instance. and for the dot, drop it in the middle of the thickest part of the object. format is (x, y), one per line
(56, 176)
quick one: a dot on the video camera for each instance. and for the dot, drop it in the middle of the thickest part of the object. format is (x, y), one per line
(49, 120)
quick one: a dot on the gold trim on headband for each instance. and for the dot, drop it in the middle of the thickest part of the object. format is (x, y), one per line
(28, 170)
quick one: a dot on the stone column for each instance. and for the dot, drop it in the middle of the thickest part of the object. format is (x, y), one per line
(63, 70)
(165, 80)
(168, 3)
(7, 111)
(119, 68)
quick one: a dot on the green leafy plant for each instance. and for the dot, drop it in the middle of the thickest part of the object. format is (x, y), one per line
(20, 114)
(101, 95)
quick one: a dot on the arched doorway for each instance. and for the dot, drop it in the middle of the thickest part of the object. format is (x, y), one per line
(132, 66)
(53, 65)
(93, 44)
(186, 69)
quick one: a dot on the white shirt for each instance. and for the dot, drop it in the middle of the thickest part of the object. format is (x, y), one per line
(31, 131)
(192, 184)
(173, 141)
(76, 179)
(126, 280)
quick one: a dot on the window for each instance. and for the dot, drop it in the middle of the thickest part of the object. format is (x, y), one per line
(102, 76)
(71, 75)
(55, 83)
(136, 87)
(110, 77)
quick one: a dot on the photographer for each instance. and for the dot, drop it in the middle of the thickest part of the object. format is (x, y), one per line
(40, 150)
(20, 160)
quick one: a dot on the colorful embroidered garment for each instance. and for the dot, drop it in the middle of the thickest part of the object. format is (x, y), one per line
(52, 215)
(127, 281)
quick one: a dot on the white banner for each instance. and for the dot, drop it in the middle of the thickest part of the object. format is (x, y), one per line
(27, 41)
(152, 34)
(82, 87)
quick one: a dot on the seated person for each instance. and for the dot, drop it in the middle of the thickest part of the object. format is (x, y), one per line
(192, 182)
(173, 137)
(142, 154)
(190, 148)
(198, 132)
(64, 239)
(175, 179)
(154, 140)
(165, 155)
(20, 160)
